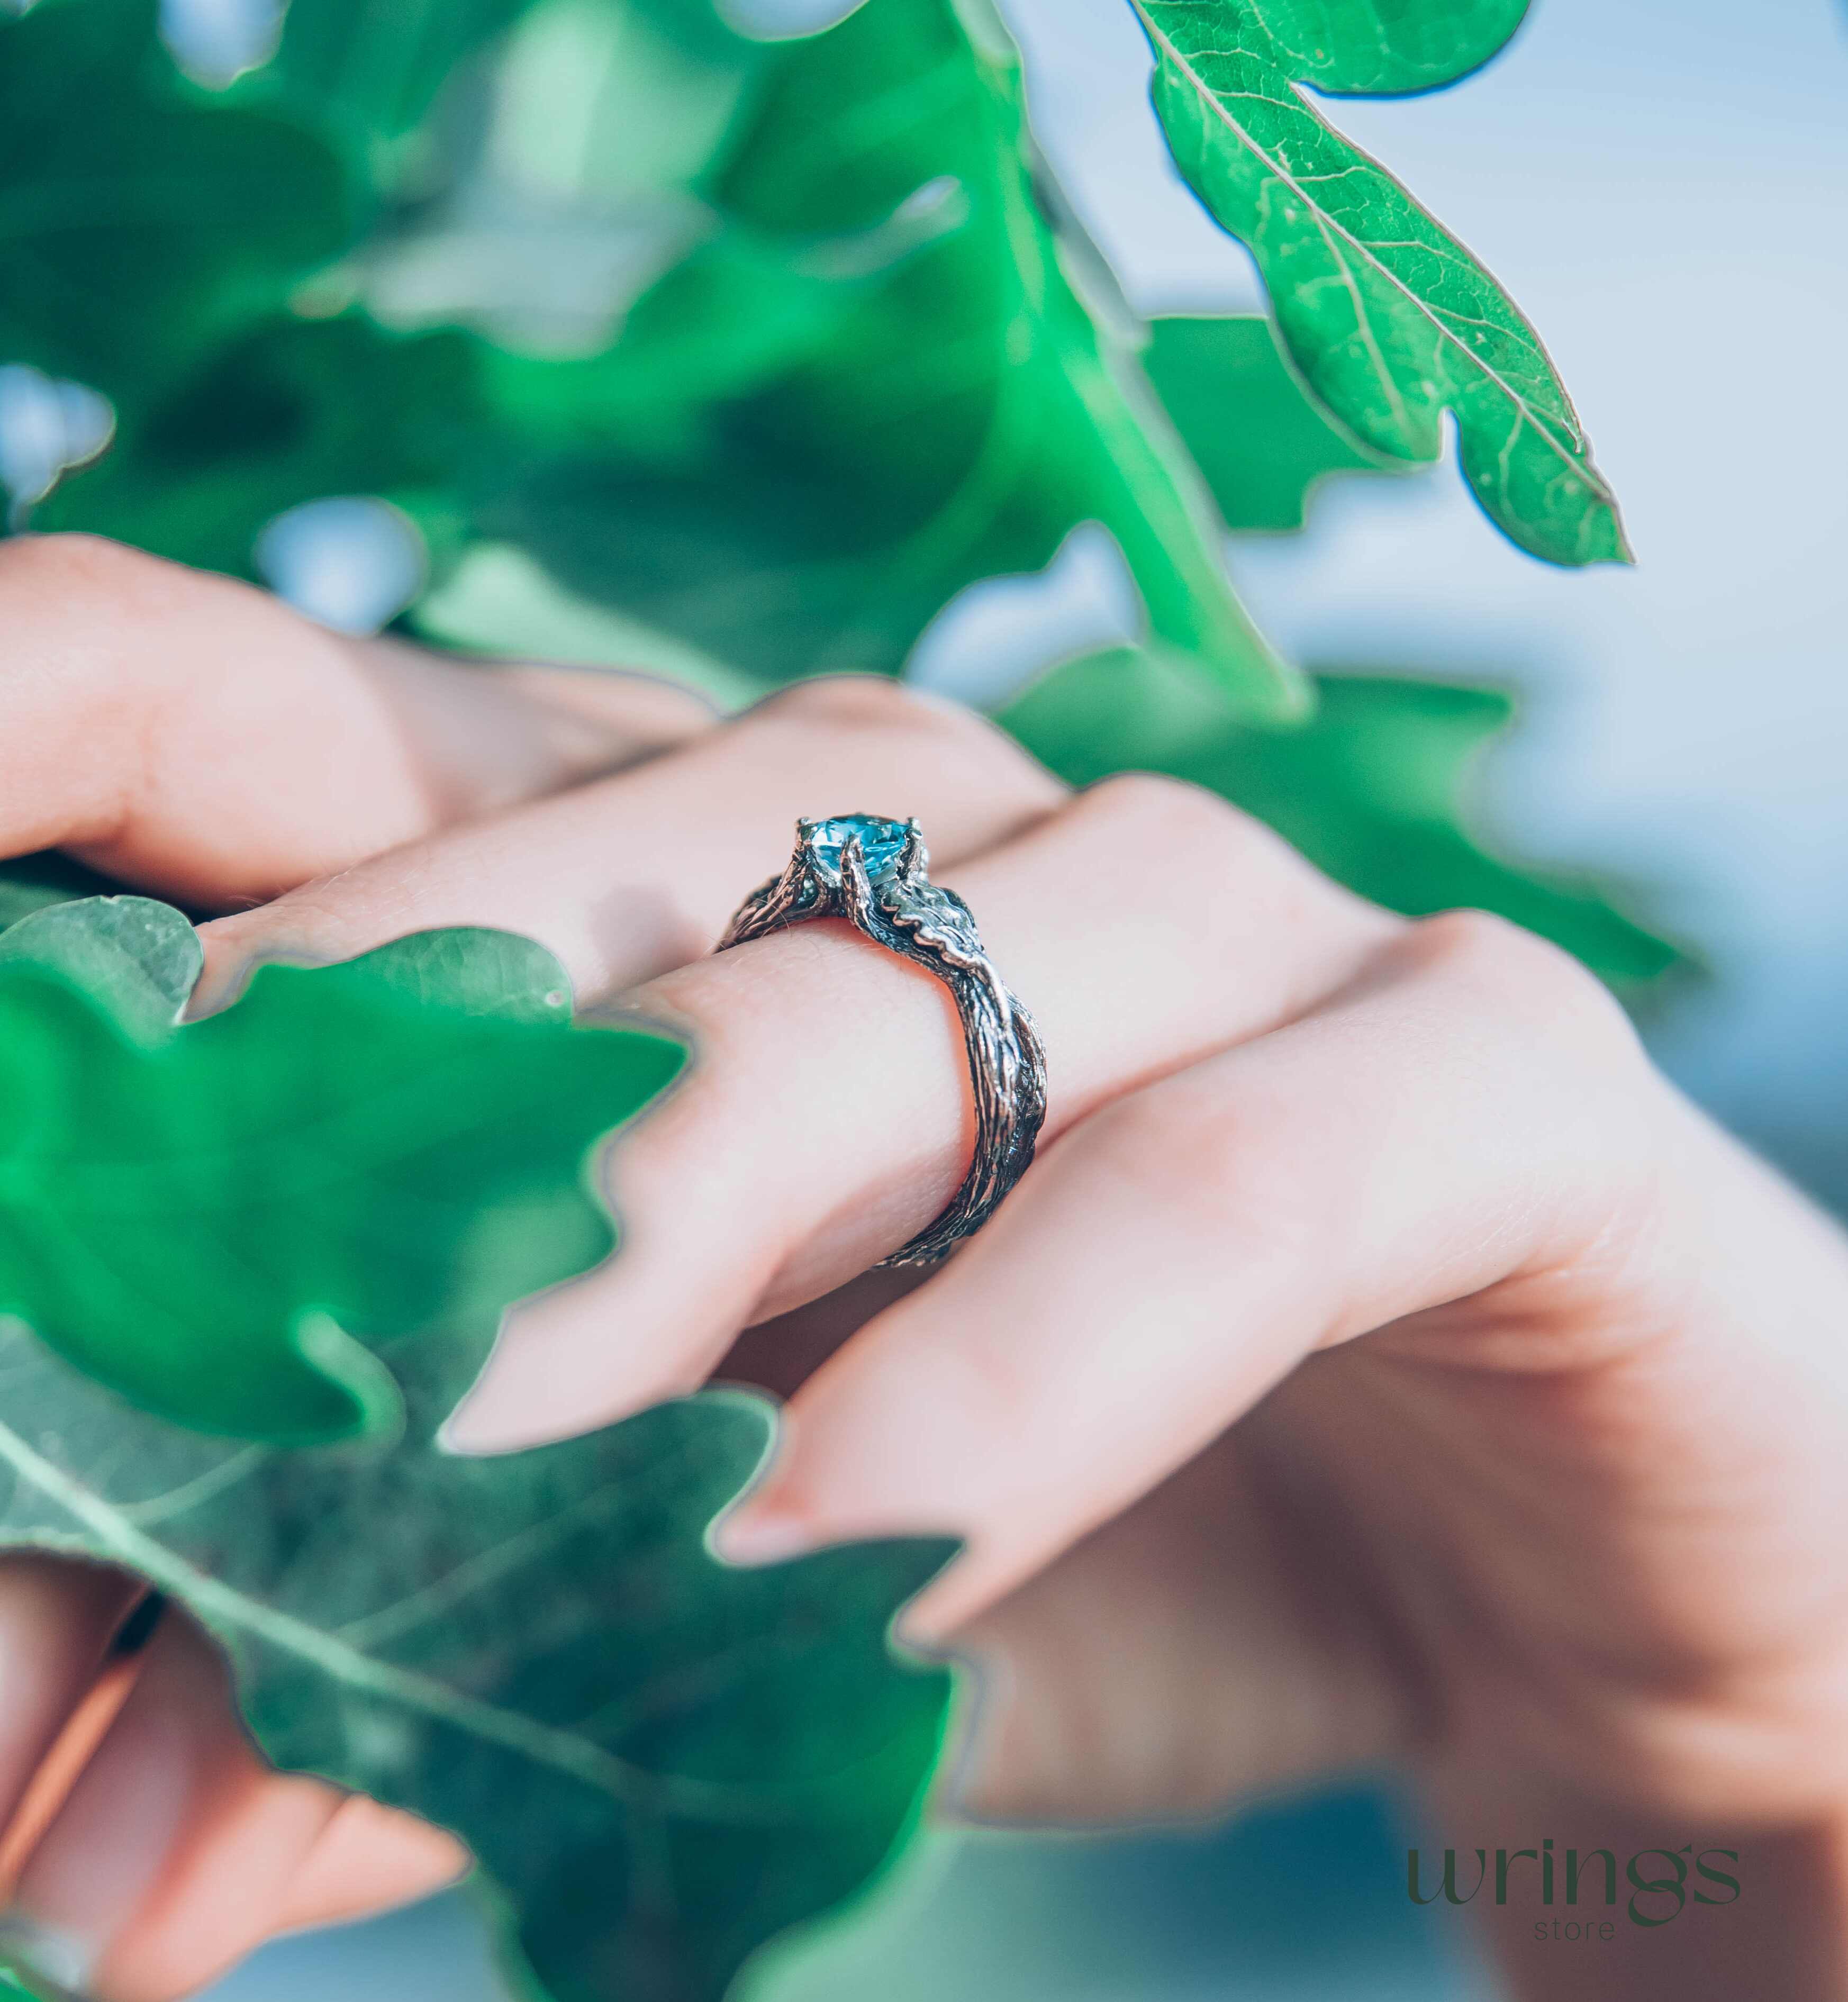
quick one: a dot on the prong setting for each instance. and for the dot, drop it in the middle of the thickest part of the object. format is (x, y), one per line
(914, 863)
(874, 872)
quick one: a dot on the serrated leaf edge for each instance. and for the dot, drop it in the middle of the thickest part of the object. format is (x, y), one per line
(1525, 414)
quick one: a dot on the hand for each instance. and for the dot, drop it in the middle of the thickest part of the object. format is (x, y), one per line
(1562, 1531)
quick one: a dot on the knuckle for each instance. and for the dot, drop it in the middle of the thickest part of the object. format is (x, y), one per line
(123, 596)
(631, 715)
(871, 704)
(1479, 949)
(1532, 985)
(58, 565)
(1223, 1169)
(1162, 1156)
(1159, 815)
(81, 610)
(862, 702)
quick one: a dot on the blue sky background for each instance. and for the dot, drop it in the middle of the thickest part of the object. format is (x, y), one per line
(1663, 185)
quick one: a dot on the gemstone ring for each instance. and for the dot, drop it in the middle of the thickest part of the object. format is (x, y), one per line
(872, 871)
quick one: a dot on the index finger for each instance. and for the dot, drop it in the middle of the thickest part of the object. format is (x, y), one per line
(193, 735)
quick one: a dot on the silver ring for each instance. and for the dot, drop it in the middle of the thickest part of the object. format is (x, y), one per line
(871, 871)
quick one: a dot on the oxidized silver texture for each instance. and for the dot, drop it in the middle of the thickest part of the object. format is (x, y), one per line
(908, 914)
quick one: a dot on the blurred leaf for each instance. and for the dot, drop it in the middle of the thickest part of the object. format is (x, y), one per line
(1374, 790)
(292, 410)
(699, 25)
(17, 1980)
(659, 1762)
(1390, 320)
(141, 218)
(733, 317)
(918, 400)
(205, 1218)
(874, 385)
(498, 601)
(1260, 442)
(369, 70)
(598, 99)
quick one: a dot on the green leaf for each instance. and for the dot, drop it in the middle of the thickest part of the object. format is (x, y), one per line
(18, 1980)
(289, 410)
(1385, 48)
(658, 1761)
(369, 70)
(211, 1218)
(920, 399)
(1260, 444)
(1373, 788)
(499, 601)
(139, 955)
(1389, 320)
(140, 218)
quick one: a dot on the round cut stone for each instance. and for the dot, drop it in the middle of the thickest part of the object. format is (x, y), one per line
(881, 843)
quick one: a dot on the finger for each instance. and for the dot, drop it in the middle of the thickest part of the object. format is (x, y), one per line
(56, 1621)
(830, 1117)
(369, 1859)
(1472, 1110)
(176, 1851)
(192, 735)
(625, 877)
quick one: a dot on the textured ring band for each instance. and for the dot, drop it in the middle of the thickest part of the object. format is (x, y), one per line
(872, 872)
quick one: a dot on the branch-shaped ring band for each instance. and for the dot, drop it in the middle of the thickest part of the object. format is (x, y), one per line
(873, 872)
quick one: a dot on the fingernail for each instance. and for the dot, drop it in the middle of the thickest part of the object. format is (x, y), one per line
(492, 1423)
(55, 1624)
(763, 1537)
(475, 1428)
(549, 1377)
(91, 1871)
(222, 978)
(53, 1966)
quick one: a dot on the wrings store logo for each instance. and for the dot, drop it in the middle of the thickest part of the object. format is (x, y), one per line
(1653, 1885)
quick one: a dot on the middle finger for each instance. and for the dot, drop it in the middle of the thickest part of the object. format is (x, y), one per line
(632, 875)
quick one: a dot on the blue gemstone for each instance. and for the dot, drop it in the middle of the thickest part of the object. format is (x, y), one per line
(881, 843)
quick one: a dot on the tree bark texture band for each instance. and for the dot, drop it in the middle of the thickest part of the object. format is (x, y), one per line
(873, 872)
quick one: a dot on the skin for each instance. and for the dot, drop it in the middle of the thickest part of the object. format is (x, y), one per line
(1380, 1363)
